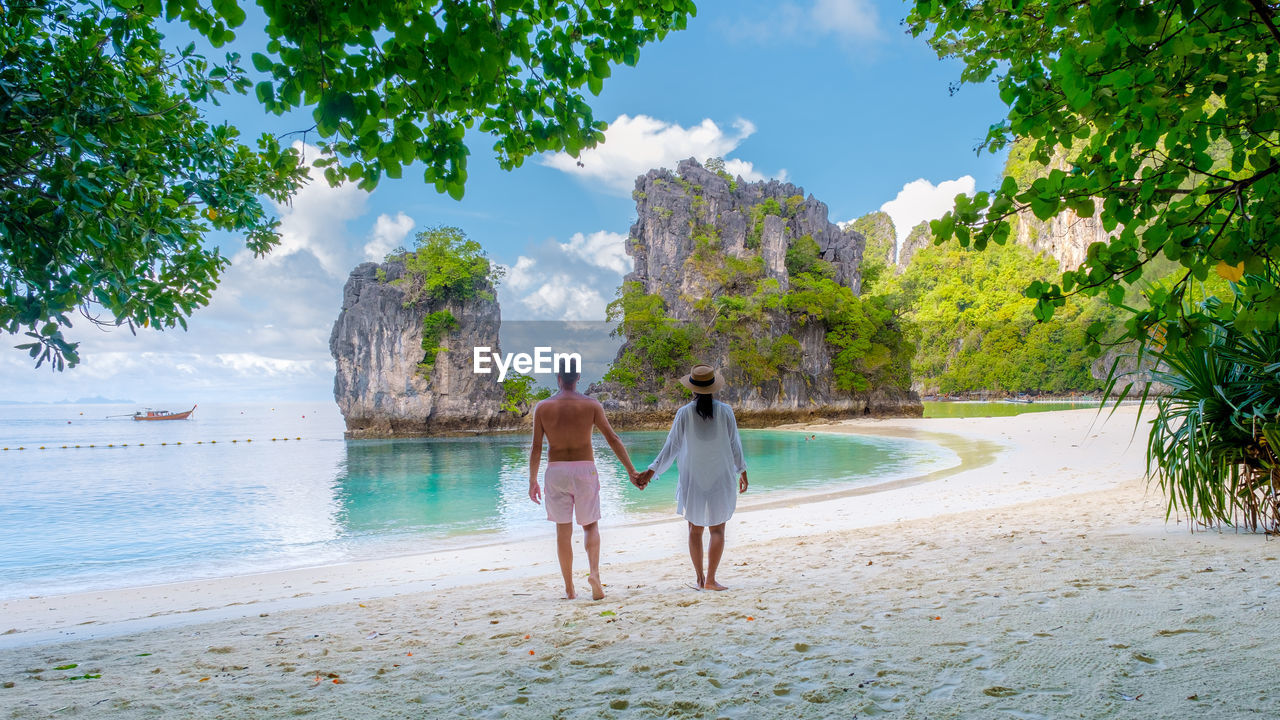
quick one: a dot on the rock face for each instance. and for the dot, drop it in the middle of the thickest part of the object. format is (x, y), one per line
(919, 237)
(1066, 237)
(881, 236)
(674, 208)
(665, 205)
(377, 348)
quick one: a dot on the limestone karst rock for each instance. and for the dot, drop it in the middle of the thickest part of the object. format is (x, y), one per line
(676, 212)
(377, 349)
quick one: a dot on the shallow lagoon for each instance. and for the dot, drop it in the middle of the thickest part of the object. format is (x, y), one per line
(157, 510)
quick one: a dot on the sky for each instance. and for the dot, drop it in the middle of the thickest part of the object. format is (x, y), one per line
(831, 95)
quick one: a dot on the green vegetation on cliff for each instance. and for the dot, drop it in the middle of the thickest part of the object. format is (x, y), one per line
(975, 333)
(520, 393)
(657, 343)
(444, 265)
(739, 303)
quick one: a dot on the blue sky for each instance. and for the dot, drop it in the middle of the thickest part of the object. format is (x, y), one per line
(831, 95)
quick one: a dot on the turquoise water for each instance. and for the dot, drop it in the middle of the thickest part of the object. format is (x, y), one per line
(156, 511)
(976, 408)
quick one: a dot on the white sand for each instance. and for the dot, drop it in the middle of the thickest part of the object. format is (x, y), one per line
(1039, 580)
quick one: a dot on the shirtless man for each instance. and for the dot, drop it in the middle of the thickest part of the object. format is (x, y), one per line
(572, 486)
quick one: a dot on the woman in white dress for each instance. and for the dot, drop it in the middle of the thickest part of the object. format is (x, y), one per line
(705, 447)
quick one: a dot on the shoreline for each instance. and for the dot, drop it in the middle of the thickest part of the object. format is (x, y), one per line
(95, 614)
(113, 611)
(1043, 584)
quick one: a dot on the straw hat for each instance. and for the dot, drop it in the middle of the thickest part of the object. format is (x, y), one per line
(703, 379)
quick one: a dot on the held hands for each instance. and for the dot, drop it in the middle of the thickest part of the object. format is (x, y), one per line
(535, 492)
(641, 479)
(742, 482)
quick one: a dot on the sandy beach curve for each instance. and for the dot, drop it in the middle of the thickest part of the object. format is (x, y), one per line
(1039, 579)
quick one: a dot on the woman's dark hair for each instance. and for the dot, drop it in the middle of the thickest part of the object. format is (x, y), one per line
(703, 405)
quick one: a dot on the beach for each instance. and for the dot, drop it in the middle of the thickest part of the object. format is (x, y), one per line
(1037, 579)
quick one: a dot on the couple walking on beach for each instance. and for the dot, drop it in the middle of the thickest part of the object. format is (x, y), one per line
(703, 443)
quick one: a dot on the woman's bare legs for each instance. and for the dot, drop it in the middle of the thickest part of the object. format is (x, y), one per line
(714, 552)
(706, 581)
(695, 551)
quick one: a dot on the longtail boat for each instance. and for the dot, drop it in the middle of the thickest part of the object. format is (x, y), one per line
(162, 414)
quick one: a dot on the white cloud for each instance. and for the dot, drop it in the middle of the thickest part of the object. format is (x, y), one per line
(564, 298)
(314, 221)
(921, 200)
(388, 234)
(748, 172)
(571, 280)
(635, 145)
(847, 21)
(521, 275)
(602, 248)
(253, 364)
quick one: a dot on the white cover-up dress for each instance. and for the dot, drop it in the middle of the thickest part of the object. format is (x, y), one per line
(708, 454)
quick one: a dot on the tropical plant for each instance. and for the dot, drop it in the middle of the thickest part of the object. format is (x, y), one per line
(1215, 440)
(520, 393)
(434, 327)
(1167, 118)
(444, 265)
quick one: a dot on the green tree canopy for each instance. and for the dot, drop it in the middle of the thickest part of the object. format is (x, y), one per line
(1167, 112)
(110, 177)
(398, 82)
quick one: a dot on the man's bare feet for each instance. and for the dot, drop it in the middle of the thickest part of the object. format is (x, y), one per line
(713, 585)
(597, 590)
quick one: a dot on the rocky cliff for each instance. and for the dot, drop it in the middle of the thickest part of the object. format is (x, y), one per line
(1065, 237)
(881, 237)
(919, 237)
(381, 385)
(707, 247)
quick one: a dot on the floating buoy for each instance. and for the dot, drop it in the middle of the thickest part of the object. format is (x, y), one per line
(235, 441)
(76, 446)
(142, 444)
(273, 439)
(179, 442)
(79, 446)
(163, 444)
(111, 445)
(125, 445)
(297, 438)
(64, 447)
(213, 442)
(249, 440)
(68, 422)
(41, 447)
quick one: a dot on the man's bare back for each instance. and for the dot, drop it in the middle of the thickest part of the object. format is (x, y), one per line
(567, 419)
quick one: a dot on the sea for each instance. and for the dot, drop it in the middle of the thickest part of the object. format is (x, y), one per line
(94, 500)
